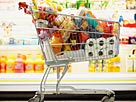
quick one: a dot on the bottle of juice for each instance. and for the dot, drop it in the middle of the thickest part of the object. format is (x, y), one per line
(39, 64)
(117, 64)
(110, 65)
(100, 66)
(19, 64)
(105, 66)
(96, 64)
(3, 64)
(129, 63)
(29, 64)
(10, 64)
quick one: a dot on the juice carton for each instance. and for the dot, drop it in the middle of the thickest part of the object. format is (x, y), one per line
(19, 64)
(129, 63)
(92, 66)
(39, 64)
(117, 64)
(109, 68)
(105, 66)
(10, 64)
(3, 64)
(110, 65)
(100, 66)
(29, 64)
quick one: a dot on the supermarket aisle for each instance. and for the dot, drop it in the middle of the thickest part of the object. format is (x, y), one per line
(67, 101)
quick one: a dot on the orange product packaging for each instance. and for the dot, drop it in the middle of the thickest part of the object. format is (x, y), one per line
(19, 64)
(39, 64)
(56, 42)
(3, 64)
(10, 64)
(94, 23)
(29, 64)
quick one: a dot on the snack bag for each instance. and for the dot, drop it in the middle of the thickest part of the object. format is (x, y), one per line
(107, 28)
(66, 25)
(74, 41)
(56, 42)
(94, 23)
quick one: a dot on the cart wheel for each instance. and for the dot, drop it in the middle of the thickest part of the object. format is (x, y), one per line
(107, 99)
(37, 98)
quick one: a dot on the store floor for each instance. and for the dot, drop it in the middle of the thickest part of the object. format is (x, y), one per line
(67, 101)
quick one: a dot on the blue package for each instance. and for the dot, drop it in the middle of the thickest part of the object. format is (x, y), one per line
(78, 21)
(92, 21)
(95, 34)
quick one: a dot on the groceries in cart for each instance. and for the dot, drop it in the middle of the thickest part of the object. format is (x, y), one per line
(73, 32)
(71, 36)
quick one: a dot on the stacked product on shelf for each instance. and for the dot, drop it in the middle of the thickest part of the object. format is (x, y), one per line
(18, 41)
(3, 64)
(131, 63)
(24, 64)
(7, 60)
(108, 65)
(35, 64)
(21, 63)
(128, 40)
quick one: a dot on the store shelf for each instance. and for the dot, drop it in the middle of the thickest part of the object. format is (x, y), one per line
(19, 47)
(23, 49)
(31, 81)
(85, 77)
(37, 47)
(127, 46)
(127, 31)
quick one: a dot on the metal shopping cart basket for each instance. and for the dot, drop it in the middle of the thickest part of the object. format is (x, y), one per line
(66, 38)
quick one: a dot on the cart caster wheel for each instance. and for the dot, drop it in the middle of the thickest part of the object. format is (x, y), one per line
(37, 98)
(107, 99)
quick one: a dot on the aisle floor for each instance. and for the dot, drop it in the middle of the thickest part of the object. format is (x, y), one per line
(67, 101)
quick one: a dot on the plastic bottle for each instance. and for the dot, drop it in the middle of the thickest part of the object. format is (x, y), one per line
(100, 66)
(97, 69)
(3, 64)
(129, 63)
(10, 64)
(29, 64)
(39, 64)
(110, 65)
(121, 20)
(92, 66)
(19, 64)
(117, 64)
(105, 66)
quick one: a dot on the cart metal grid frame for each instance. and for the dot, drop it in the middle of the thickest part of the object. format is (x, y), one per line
(72, 39)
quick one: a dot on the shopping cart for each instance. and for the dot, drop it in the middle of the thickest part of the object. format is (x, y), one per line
(68, 38)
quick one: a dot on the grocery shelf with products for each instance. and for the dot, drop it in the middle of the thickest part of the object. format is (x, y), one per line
(20, 38)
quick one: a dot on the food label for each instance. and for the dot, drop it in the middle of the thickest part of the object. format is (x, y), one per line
(29, 66)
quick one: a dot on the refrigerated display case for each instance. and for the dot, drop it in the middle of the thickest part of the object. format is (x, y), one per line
(118, 81)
